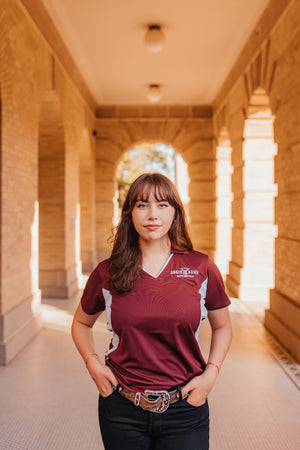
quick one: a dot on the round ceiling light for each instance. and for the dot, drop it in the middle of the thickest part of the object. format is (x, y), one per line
(154, 39)
(154, 93)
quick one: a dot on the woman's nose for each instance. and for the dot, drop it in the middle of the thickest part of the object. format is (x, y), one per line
(152, 212)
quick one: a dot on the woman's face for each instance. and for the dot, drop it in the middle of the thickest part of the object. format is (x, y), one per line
(152, 219)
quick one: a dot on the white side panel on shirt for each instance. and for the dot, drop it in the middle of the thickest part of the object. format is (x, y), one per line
(115, 340)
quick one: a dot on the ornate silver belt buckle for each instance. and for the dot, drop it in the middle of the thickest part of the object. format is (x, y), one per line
(165, 400)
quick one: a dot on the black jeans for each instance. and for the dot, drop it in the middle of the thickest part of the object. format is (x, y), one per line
(125, 426)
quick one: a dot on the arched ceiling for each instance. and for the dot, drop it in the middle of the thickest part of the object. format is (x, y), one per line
(203, 40)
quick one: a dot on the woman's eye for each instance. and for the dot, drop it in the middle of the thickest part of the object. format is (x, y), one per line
(163, 205)
(142, 206)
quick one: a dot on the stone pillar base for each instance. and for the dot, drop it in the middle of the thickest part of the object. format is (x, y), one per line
(249, 284)
(282, 320)
(59, 283)
(18, 326)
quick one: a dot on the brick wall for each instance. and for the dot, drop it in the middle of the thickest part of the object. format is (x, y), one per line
(29, 71)
(270, 63)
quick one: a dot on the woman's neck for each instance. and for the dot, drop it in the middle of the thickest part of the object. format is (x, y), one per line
(153, 249)
(154, 257)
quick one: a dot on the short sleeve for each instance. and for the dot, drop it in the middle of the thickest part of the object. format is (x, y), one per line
(216, 296)
(92, 300)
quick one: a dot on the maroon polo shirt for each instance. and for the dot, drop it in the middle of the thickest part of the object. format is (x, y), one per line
(156, 325)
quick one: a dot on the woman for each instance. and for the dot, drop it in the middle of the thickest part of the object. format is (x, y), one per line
(156, 291)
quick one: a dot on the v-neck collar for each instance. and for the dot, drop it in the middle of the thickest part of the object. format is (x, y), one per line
(161, 269)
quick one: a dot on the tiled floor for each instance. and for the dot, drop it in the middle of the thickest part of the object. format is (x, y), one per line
(48, 401)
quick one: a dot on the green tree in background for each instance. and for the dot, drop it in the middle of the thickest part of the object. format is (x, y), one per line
(147, 157)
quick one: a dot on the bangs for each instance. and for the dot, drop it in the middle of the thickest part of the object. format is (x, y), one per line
(162, 192)
(159, 192)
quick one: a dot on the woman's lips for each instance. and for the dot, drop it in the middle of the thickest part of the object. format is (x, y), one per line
(152, 227)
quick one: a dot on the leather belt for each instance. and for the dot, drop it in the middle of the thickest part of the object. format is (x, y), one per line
(155, 401)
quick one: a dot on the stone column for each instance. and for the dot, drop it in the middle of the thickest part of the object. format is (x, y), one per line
(235, 129)
(107, 155)
(194, 138)
(202, 193)
(223, 205)
(258, 207)
(57, 192)
(87, 217)
(251, 268)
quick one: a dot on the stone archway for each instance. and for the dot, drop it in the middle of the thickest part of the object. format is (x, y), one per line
(192, 136)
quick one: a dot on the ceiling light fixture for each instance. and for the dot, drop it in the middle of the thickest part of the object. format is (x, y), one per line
(154, 93)
(154, 38)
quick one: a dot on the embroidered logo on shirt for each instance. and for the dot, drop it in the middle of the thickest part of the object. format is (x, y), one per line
(184, 272)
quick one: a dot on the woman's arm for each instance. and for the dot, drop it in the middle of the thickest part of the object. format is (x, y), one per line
(83, 338)
(221, 335)
(200, 386)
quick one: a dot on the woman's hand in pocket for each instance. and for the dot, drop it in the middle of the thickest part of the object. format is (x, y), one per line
(199, 388)
(102, 376)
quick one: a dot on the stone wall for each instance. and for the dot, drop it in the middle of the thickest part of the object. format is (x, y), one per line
(264, 83)
(43, 120)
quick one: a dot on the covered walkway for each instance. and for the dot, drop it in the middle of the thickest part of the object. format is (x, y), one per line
(51, 404)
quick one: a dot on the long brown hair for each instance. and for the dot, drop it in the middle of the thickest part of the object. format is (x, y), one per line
(126, 258)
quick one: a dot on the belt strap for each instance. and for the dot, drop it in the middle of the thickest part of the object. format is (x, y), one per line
(145, 401)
